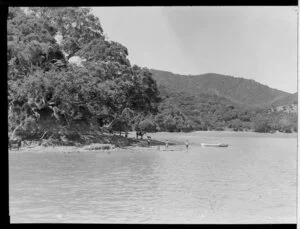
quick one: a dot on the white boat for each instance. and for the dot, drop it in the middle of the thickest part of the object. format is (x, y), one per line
(214, 144)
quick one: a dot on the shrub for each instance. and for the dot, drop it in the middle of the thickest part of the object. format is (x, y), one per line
(236, 124)
(147, 125)
(262, 124)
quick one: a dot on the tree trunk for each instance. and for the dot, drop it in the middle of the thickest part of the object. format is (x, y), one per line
(41, 139)
(14, 132)
(44, 134)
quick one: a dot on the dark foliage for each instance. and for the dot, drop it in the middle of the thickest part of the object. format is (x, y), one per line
(64, 76)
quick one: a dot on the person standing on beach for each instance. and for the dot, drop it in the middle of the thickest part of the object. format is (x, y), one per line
(148, 141)
(187, 144)
(167, 144)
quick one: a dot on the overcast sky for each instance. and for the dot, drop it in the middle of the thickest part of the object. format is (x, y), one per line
(257, 43)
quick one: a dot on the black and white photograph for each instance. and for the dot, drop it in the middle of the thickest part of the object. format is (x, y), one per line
(152, 114)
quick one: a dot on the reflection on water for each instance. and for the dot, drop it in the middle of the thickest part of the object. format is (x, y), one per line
(251, 181)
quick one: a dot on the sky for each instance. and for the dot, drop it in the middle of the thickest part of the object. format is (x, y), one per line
(258, 43)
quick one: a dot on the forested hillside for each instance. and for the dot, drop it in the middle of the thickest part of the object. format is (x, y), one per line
(218, 102)
(204, 112)
(239, 90)
(286, 100)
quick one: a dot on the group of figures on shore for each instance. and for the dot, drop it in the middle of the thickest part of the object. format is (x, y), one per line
(167, 144)
(18, 142)
(142, 133)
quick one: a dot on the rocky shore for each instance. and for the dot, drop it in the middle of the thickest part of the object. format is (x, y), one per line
(91, 143)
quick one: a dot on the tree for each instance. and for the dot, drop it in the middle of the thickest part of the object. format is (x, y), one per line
(45, 84)
(148, 125)
(236, 124)
(262, 124)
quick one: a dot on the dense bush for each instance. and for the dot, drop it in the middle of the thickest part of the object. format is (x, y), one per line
(210, 112)
(262, 124)
(236, 125)
(148, 125)
(45, 87)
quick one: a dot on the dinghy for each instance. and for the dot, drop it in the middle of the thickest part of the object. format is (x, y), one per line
(214, 144)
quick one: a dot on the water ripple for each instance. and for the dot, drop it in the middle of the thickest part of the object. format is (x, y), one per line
(204, 185)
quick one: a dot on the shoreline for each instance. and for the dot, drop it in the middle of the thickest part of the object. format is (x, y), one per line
(130, 143)
(79, 149)
(239, 132)
(115, 144)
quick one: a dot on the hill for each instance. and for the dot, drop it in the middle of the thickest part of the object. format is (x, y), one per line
(286, 100)
(203, 112)
(239, 90)
(218, 102)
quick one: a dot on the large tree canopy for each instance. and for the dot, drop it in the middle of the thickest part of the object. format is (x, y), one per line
(45, 87)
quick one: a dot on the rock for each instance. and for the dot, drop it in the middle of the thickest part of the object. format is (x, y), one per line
(99, 147)
(77, 60)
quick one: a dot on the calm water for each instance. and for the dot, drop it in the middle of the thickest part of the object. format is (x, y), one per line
(251, 181)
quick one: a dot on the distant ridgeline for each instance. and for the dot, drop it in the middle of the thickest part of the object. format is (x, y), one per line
(65, 78)
(217, 102)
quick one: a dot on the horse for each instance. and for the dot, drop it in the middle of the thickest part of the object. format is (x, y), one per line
(18, 142)
(140, 133)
